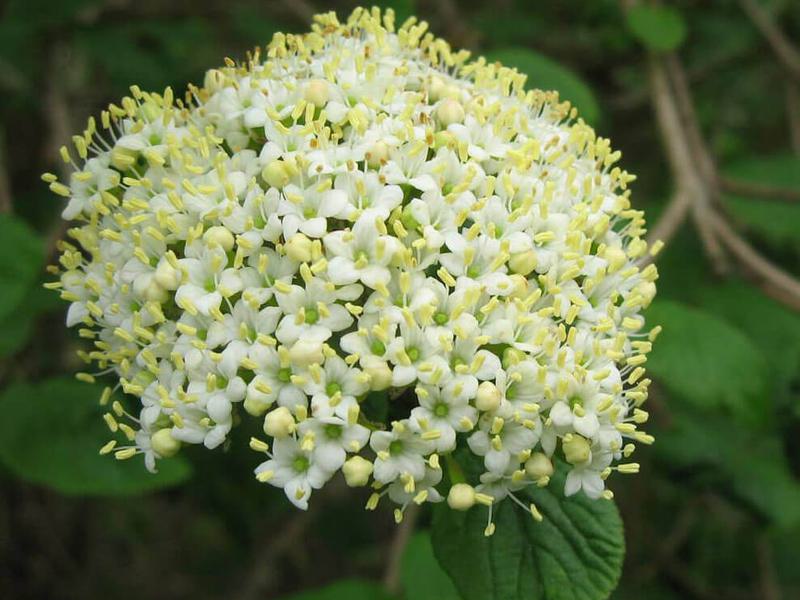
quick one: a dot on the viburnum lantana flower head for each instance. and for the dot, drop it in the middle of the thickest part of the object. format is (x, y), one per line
(363, 213)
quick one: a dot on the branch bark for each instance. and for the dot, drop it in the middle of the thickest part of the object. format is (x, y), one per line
(785, 51)
(391, 578)
(759, 190)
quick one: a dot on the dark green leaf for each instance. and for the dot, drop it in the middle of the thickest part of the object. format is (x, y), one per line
(423, 578)
(546, 74)
(51, 432)
(751, 463)
(706, 361)
(575, 553)
(352, 589)
(659, 28)
(21, 257)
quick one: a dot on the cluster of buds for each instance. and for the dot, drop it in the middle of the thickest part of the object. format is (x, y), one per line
(364, 212)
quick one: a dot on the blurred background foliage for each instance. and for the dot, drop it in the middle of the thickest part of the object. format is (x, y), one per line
(715, 512)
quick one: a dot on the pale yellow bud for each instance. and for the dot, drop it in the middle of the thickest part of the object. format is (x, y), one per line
(576, 449)
(380, 375)
(523, 263)
(146, 287)
(167, 276)
(378, 154)
(461, 496)
(316, 92)
(356, 471)
(488, 397)
(299, 247)
(306, 352)
(450, 111)
(276, 174)
(616, 258)
(164, 444)
(214, 80)
(538, 466)
(219, 236)
(279, 423)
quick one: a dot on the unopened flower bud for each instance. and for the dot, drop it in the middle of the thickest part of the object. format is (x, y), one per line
(450, 111)
(461, 496)
(538, 466)
(167, 276)
(146, 287)
(279, 423)
(299, 247)
(316, 92)
(378, 154)
(523, 262)
(357, 471)
(164, 444)
(576, 448)
(219, 236)
(306, 352)
(276, 174)
(214, 80)
(488, 397)
(616, 258)
(380, 375)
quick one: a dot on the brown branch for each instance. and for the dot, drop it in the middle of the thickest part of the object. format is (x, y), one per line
(785, 51)
(768, 580)
(759, 190)
(670, 220)
(680, 154)
(391, 578)
(773, 280)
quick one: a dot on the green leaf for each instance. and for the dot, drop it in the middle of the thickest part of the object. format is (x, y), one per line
(706, 361)
(575, 553)
(349, 589)
(752, 464)
(546, 74)
(422, 577)
(21, 257)
(51, 432)
(18, 326)
(659, 28)
(776, 222)
(771, 326)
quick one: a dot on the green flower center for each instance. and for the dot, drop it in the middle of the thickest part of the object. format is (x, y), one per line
(332, 388)
(312, 316)
(333, 432)
(413, 354)
(441, 318)
(441, 409)
(378, 347)
(301, 464)
(396, 447)
(285, 375)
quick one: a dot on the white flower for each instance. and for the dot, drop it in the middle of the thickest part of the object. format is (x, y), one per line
(445, 411)
(294, 470)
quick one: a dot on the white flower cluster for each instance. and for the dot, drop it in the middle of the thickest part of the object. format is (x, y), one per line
(364, 214)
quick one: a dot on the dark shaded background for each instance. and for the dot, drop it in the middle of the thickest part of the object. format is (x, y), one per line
(715, 512)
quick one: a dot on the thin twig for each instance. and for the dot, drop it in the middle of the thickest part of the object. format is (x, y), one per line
(775, 282)
(759, 190)
(785, 51)
(768, 580)
(671, 219)
(391, 578)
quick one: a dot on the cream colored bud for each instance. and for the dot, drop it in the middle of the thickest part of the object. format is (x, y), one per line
(436, 89)
(219, 236)
(299, 247)
(276, 174)
(316, 92)
(378, 154)
(164, 444)
(357, 471)
(488, 397)
(146, 287)
(538, 466)
(648, 291)
(380, 375)
(306, 352)
(254, 407)
(523, 263)
(520, 286)
(167, 276)
(576, 449)
(279, 423)
(616, 258)
(461, 496)
(450, 111)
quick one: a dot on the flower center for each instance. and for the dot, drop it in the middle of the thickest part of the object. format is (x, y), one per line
(300, 464)
(312, 316)
(378, 347)
(332, 388)
(396, 447)
(333, 432)
(413, 354)
(285, 375)
(441, 409)
(441, 318)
